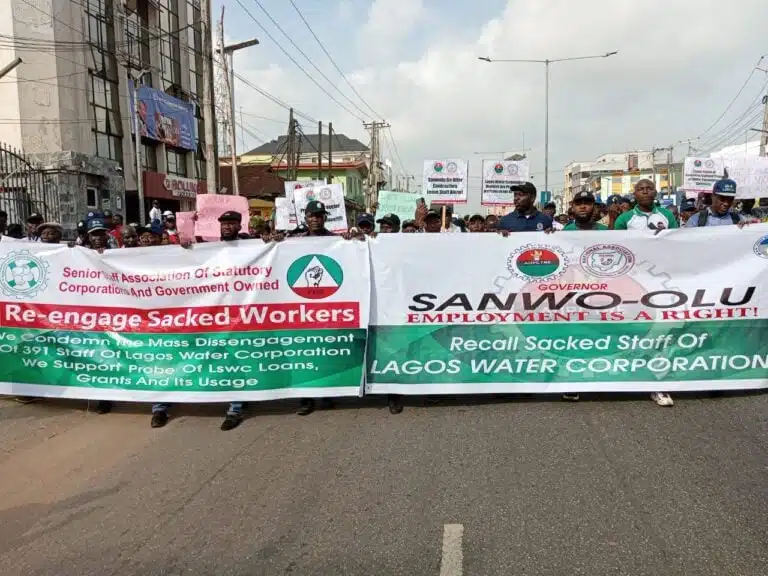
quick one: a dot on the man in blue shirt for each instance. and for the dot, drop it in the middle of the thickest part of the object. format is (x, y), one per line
(525, 218)
(720, 213)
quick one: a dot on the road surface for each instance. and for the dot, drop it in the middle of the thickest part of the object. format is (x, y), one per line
(466, 486)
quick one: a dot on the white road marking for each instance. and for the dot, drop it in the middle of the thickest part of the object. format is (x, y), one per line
(452, 561)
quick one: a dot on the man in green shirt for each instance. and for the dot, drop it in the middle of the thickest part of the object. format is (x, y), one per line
(646, 215)
(583, 206)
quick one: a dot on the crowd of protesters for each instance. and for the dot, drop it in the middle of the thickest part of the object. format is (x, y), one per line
(103, 231)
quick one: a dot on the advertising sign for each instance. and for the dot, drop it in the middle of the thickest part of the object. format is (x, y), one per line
(165, 118)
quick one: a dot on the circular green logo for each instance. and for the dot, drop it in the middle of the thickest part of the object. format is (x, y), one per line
(315, 276)
(23, 275)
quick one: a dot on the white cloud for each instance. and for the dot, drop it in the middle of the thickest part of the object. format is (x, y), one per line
(674, 75)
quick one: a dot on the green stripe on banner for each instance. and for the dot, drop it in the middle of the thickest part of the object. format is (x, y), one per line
(579, 352)
(215, 362)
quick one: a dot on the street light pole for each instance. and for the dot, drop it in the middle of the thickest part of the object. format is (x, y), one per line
(136, 77)
(547, 64)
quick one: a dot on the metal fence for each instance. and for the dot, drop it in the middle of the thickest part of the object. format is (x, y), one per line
(25, 188)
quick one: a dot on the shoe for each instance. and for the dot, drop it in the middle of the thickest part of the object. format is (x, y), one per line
(306, 407)
(231, 421)
(159, 419)
(103, 407)
(662, 399)
(571, 396)
(395, 404)
(26, 399)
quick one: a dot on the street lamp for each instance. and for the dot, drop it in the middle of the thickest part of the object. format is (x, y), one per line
(546, 63)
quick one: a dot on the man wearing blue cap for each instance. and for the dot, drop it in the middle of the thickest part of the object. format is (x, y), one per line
(366, 223)
(720, 213)
(687, 209)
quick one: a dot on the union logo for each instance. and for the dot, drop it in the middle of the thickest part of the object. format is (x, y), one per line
(538, 263)
(761, 247)
(23, 275)
(315, 276)
(607, 260)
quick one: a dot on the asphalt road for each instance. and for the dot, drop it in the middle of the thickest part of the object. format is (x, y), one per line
(605, 486)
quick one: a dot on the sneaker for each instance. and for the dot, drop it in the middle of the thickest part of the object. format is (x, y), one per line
(103, 407)
(571, 396)
(231, 421)
(159, 419)
(662, 399)
(306, 406)
(395, 404)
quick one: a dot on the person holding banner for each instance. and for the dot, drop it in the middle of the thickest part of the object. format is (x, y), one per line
(476, 223)
(583, 213)
(525, 217)
(230, 223)
(646, 214)
(389, 224)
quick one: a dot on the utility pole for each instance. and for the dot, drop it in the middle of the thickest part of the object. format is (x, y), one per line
(375, 165)
(319, 150)
(291, 148)
(764, 135)
(9, 67)
(136, 77)
(209, 119)
(330, 152)
(670, 188)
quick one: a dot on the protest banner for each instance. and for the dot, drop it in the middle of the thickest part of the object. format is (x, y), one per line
(570, 312)
(285, 217)
(498, 177)
(700, 175)
(750, 175)
(211, 206)
(292, 185)
(403, 204)
(445, 181)
(185, 224)
(212, 323)
(332, 195)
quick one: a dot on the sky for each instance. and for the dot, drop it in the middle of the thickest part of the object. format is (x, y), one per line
(415, 63)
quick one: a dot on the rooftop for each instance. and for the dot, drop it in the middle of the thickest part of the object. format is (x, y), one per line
(340, 143)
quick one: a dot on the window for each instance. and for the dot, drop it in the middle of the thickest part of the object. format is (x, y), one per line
(175, 161)
(105, 108)
(194, 47)
(149, 155)
(170, 62)
(136, 48)
(90, 197)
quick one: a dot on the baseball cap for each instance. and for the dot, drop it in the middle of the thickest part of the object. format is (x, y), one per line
(94, 214)
(613, 199)
(315, 207)
(167, 213)
(45, 225)
(550, 205)
(688, 205)
(230, 216)
(584, 195)
(526, 187)
(35, 217)
(96, 224)
(366, 218)
(81, 226)
(434, 213)
(725, 187)
(391, 219)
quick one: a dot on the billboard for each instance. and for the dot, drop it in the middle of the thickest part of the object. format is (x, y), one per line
(165, 118)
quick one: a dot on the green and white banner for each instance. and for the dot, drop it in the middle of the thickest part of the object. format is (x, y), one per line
(217, 322)
(569, 312)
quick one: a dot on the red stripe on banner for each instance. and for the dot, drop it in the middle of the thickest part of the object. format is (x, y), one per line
(278, 316)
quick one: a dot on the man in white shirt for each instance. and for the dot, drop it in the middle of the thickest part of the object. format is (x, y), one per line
(155, 213)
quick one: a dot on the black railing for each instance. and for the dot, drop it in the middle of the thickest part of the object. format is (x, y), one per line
(25, 188)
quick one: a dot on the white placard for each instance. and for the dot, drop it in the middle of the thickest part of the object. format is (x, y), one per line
(332, 195)
(445, 181)
(700, 174)
(750, 175)
(285, 217)
(292, 185)
(498, 177)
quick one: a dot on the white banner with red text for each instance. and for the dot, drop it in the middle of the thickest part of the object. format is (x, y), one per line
(569, 312)
(216, 322)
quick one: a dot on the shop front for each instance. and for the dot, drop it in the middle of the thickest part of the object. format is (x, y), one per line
(173, 193)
